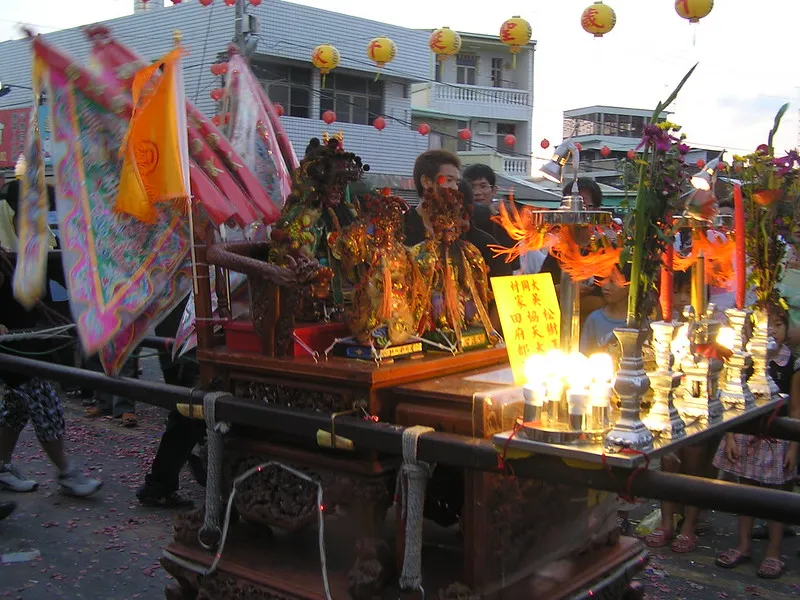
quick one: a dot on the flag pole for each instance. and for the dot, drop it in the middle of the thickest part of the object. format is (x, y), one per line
(183, 143)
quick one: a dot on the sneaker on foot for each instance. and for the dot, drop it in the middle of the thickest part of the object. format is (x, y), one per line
(156, 498)
(75, 483)
(6, 508)
(11, 478)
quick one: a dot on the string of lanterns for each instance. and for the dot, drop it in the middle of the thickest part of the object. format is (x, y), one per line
(598, 19)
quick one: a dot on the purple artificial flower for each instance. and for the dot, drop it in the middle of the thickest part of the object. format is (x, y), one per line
(763, 149)
(786, 163)
(683, 148)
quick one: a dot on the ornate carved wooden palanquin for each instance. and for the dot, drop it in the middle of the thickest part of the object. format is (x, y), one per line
(497, 532)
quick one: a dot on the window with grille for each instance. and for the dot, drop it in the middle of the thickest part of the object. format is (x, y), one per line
(354, 99)
(288, 85)
(466, 68)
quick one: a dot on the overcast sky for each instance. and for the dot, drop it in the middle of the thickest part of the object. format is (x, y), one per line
(746, 49)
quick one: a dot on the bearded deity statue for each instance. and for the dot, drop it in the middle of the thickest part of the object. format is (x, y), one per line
(454, 275)
(388, 296)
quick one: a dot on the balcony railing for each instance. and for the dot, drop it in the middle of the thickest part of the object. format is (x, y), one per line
(452, 92)
(516, 165)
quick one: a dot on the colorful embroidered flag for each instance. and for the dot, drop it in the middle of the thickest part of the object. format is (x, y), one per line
(34, 235)
(252, 134)
(116, 266)
(153, 169)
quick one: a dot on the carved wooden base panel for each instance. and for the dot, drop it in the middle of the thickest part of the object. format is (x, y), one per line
(295, 397)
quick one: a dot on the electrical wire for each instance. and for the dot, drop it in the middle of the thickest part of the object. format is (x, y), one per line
(205, 47)
(331, 94)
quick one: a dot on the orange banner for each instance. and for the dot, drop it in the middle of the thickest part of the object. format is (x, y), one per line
(152, 170)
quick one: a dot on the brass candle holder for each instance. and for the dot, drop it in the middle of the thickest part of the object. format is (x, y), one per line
(701, 369)
(736, 392)
(663, 419)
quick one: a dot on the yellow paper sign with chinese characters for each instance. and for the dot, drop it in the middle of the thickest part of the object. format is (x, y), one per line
(530, 316)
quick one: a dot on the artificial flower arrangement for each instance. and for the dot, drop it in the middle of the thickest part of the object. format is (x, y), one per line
(649, 227)
(771, 196)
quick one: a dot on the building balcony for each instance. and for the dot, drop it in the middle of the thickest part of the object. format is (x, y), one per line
(475, 102)
(516, 166)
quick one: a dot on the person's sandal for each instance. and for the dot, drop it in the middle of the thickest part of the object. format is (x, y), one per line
(771, 568)
(659, 538)
(129, 420)
(730, 559)
(684, 543)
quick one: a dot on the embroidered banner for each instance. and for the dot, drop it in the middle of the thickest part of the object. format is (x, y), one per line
(115, 265)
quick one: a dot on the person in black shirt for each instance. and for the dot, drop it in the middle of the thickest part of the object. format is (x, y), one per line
(483, 185)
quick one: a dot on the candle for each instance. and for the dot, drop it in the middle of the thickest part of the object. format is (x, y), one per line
(667, 283)
(740, 234)
(699, 286)
(534, 395)
(578, 403)
(600, 398)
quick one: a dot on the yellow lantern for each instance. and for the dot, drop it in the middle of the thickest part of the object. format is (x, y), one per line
(693, 10)
(381, 50)
(516, 32)
(598, 19)
(445, 42)
(326, 58)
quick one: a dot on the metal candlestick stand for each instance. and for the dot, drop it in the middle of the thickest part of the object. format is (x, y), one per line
(760, 346)
(736, 392)
(663, 419)
(701, 397)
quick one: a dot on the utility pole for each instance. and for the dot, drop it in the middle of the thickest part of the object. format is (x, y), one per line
(245, 30)
(238, 38)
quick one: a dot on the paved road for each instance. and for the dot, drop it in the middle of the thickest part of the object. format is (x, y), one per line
(677, 577)
(107, 548)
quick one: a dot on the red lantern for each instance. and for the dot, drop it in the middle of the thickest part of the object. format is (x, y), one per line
(329, 116)
(700, 163)
(206, 2)
(217, 93)
(510, 140)
(219, 69)
(379, 123)
(424, 129)
(465, 134)
(255, 2)
(545, 143)
(578, 146)
(230, 2)
(279, 109)
(722, 166)
(605, 151)
(216, 120)
(631, 154)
